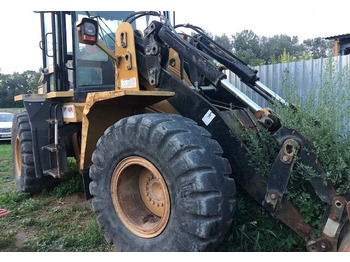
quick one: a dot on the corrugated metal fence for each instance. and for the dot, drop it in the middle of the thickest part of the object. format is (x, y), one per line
(303, 75)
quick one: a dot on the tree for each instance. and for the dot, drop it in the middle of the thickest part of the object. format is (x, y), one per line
(224, 41)
(256, 50)
(247, 46)
(286, 57)
(318, 47)
(274, 46)
(15, 84)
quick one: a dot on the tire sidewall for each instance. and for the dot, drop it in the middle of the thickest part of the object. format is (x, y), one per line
(18, 178)
(175, 236)
(169, 178)
(26, 180)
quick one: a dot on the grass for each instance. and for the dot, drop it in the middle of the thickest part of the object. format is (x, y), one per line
(254, 230)
(11, 110)
(56, 220)
(62, 220)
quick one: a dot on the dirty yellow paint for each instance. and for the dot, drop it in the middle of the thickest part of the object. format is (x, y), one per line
(126, 73)
(103, 109)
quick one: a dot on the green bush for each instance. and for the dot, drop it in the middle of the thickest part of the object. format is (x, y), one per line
(322, 117)
(72, 182)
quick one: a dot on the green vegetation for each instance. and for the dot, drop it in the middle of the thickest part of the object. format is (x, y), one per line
(261, 50)
(56, 220)
(321, 117)
(254, 230)
(15, 84)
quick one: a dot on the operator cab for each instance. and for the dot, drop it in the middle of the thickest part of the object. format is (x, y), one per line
(75, 68)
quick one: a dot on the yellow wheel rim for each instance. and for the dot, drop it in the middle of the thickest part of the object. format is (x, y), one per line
(18, 156)
(140, 197)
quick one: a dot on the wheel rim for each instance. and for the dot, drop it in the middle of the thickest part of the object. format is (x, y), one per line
(18, 155)
(140, 197)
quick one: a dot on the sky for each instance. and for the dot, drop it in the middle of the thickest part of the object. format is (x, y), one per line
(20, 27)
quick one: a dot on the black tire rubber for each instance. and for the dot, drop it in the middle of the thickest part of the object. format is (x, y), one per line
(344, 238)
(201, 192)
(26, 180)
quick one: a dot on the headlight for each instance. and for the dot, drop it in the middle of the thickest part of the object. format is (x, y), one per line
(87, 31)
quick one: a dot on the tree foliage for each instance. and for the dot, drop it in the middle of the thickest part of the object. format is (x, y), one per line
(247, 46)
(317, 47)
(274, 46)
(224, 41)
(259, 50)
(15, 84)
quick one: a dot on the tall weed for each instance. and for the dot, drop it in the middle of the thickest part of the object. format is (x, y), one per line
(322, 117)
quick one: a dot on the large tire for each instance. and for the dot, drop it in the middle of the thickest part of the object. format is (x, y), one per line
(344, 239)
(22, 158)
(186, 186)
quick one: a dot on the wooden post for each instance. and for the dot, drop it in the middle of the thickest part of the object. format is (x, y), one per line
(336, 47)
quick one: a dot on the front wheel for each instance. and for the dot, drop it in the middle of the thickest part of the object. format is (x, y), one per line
(160, 184)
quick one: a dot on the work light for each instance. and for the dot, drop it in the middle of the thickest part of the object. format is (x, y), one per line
(87, 31)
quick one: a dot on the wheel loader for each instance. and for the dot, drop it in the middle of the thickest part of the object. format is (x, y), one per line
(153, 123)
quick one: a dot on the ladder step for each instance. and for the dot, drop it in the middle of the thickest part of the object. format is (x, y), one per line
(51, 148)
(54, 173)
(51, 121)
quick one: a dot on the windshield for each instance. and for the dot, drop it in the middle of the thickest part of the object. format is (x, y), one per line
(6, 117)
(95, 68)
(108, 24)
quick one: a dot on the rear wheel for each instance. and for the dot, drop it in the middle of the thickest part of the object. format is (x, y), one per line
(23, 159)
(160, 184)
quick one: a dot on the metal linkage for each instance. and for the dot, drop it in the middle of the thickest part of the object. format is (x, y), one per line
(280, 173)
(240, 95)
(332, 229)
(270, 93)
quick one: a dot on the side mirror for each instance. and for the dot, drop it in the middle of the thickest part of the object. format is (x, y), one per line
(87, 31)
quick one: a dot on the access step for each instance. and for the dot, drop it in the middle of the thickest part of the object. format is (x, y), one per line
(51, 121)
(54, 173)
(52, 148)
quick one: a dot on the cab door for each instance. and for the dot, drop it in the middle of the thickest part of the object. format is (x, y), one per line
(57, 51)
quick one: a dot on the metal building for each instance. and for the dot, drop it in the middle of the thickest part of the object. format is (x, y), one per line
(341, 44)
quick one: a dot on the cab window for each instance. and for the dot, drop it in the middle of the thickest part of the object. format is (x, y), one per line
(94, 67)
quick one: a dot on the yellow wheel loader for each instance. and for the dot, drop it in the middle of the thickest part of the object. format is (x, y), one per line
(149, 116)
